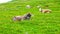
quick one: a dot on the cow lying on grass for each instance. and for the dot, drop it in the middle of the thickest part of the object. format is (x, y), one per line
(24, 17)
(44, 10)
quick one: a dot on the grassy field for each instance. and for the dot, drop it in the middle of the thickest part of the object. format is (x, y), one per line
(39, 24)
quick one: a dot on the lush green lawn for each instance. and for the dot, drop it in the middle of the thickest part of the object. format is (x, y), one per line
(39, 24)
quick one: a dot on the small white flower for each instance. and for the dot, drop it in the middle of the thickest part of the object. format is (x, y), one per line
(28, 6)
(38, 6)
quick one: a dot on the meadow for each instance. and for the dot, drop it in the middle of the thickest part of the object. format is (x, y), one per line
(40, 23)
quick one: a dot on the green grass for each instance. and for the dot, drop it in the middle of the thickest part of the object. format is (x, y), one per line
(39, 24)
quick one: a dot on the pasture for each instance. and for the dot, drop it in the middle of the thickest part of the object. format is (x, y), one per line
(40, 23)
